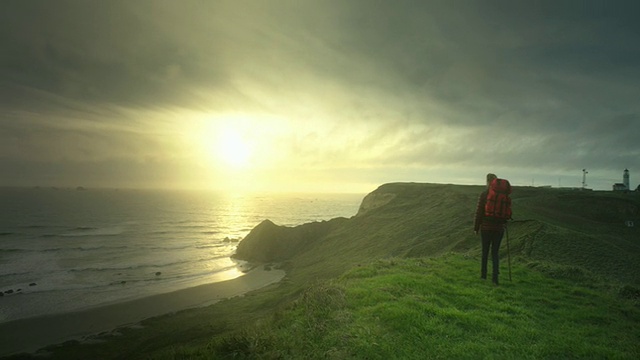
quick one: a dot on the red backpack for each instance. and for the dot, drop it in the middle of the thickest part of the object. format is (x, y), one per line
(498, 204)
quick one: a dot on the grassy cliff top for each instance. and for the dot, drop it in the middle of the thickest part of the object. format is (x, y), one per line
(400, 279)
(586, 229)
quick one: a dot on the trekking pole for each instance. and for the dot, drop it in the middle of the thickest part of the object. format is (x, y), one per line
(506, 229)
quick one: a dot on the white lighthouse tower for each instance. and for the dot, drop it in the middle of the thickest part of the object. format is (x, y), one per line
(625, 179)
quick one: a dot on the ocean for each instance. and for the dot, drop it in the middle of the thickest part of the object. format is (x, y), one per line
(64, 250)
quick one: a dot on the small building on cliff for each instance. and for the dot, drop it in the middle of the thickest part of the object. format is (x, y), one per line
(624, 185)
(619, 187)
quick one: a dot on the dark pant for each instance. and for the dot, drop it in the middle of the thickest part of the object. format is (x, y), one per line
(491, 239)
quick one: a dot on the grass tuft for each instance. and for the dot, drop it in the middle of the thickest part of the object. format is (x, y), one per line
(630, 292)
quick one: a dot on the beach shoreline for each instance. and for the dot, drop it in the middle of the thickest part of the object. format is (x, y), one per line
(29, 335)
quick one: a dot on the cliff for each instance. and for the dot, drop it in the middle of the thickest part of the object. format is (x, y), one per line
(559, 240)
(584, 229)
(269, 242)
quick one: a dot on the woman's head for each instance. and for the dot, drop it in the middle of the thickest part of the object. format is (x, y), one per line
(490, 178)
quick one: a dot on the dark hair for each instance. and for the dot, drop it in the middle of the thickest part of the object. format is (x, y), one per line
(490, 178)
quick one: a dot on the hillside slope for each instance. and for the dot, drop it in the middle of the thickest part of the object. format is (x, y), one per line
(360, 287)
(394, 220)
(584, 229)
(430, 308)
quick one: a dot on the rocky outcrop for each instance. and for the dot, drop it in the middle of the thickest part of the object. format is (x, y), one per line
(373, 201)
(269, 242)
(14, 291)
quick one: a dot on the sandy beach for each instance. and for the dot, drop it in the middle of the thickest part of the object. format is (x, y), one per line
(29, 335)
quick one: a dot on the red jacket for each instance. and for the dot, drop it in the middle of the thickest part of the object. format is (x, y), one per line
(483, 223)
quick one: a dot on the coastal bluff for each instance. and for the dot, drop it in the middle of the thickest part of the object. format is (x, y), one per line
(390, 252)
(268, 242)
(397, 219)
(565, 226)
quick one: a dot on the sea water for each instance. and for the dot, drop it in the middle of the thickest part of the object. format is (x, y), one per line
(65, 249)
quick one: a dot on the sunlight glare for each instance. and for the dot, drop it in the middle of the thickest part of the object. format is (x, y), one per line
(245, 152)
(233, 149)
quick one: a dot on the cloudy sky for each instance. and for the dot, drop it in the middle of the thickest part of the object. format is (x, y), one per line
(324, 95)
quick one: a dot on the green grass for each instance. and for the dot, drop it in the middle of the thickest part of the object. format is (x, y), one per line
(401, 281)
(440, 309)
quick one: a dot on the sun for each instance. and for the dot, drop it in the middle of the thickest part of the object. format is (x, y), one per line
(226, 143)
(233, 149)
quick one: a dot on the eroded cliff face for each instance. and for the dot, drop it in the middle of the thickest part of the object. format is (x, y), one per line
(373, 201)
(394, 220)
(269, 242)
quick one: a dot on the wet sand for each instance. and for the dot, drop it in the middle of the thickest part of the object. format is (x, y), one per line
(29, 335)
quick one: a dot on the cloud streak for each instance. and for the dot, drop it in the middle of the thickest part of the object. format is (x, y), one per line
(358, 87)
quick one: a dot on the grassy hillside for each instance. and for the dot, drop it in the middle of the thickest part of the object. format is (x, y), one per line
(437, 309)
(400, 280)
(585, 229)
(396, 220)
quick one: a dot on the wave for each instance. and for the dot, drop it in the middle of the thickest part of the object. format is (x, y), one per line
(93, 248)
(12, 250)
(77, 231)
(109, 283)
(189, 275)
(7, 233)
(183, 247)
(180, 230)
(146, 266)
(62, 249)
(83, 248)
(16, 274)
(94, 233)
(85, 228)
(210, 246)
(109, 248)
(113, 231)
(164, 228)
(88, 234)
(175, 278)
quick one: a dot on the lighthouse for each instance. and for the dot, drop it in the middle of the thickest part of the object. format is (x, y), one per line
(625, 179)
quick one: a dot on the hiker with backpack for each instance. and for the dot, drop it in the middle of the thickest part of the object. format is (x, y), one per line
(492, 213)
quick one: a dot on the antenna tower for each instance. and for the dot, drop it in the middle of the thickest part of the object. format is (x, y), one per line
(584, 178)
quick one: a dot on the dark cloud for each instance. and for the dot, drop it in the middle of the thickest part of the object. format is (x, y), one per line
(547, 86)
(97, 53)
